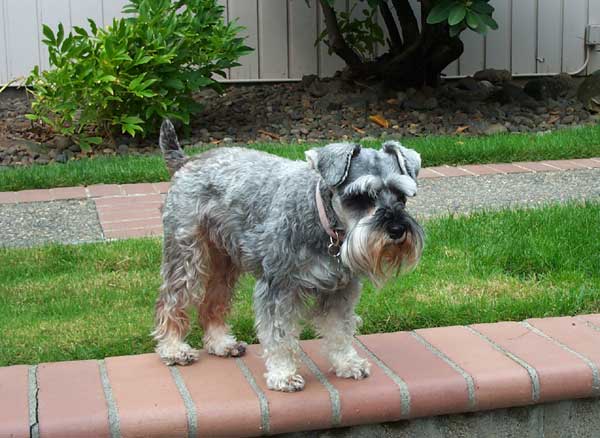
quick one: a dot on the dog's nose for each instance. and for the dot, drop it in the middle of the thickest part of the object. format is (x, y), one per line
(396, 230)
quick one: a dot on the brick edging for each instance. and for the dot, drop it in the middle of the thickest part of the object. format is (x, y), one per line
(422, 373)
(99, 191)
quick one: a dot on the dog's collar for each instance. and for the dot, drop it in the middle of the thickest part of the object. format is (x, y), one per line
(336, 235)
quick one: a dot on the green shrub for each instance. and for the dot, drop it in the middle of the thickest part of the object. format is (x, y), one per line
(135, 72)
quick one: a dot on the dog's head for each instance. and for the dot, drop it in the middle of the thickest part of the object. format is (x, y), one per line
(369, 193)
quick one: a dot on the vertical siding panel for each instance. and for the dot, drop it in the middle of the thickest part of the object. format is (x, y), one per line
(302, 36)
(329, 64)
(416, 7)
(524, 36)
(451, 70)
(224, 3)
(247, 12)
(379, 48)
(473, 58)
(112, 9)
(52, 15)
(273, 38)
(81, 10)
(575, 19)
(225, 12)
(498, 42)
(594, 18)
(3, 40)
(357, 12)
(550, 36)
(22, 37)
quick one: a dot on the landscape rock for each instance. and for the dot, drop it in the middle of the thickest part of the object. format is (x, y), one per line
(61, 142)
(318, 88)
(495, 76)
(552, 87)
(588, 92)
(513, 93)
(292, 113)
(420, 101)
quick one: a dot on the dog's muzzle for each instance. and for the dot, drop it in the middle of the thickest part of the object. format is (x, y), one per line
(394, 221)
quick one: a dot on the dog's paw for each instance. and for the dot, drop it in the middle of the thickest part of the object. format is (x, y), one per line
(292, 383)
(177, 354)
(232, 349)
(356, 368)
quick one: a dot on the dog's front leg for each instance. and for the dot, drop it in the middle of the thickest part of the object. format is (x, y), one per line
(277, 315)
(336, 323)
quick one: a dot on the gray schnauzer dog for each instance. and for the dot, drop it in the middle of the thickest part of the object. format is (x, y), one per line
(308, 231)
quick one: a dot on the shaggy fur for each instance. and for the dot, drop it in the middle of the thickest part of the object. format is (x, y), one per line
(232, 210)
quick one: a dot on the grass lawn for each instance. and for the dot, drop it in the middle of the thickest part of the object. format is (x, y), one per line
(581, 142)
(96, 300)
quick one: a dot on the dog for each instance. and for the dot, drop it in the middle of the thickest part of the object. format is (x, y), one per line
(309, 231)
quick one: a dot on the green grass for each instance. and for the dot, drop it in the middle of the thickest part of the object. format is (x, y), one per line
(96, 300)
(580, 142)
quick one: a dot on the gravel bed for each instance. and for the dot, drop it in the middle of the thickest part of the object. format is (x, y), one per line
(465, 194)
(38, 223)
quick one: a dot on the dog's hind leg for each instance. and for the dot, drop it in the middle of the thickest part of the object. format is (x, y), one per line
(214, 307)
(184, 270)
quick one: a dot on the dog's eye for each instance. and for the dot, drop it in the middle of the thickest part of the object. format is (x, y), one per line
(360, 200)
(399, 195)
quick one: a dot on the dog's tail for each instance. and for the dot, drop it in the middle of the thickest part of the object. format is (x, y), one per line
(169, 145)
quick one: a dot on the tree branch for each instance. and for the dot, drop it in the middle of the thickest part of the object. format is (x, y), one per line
(408, 21)
(336, 41)
(390, 23)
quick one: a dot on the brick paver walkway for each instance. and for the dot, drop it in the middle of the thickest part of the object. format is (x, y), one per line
(133, 210)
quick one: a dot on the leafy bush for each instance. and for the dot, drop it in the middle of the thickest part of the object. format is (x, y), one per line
(361, 34)
(418, 49)
(135, 72)
(460, 15)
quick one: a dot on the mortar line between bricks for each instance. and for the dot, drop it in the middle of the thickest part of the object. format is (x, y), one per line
(456, 367)
(467, 170)
(334, 395)
(405, 406)
(34, 426)
(525, 169)
(591, 325)
(558, 169)
(111, 405)
(125, 221)
(265, 416)
(190, 406)
(100, 224)
(584, 358)
(533, 374)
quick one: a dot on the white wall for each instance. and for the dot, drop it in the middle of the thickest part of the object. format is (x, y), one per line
(535, 36)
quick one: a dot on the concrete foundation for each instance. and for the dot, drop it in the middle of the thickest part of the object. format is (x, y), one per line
(565, 419)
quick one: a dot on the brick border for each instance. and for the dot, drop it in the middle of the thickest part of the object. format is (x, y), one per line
(144, 189)
(444, 375)
(134, 210)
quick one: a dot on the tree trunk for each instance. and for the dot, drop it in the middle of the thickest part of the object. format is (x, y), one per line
(415, 59)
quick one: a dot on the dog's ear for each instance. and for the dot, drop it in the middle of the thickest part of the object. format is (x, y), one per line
(409, 160)
(333, 161)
